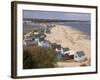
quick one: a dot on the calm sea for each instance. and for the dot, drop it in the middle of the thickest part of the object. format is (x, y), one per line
(82, 26)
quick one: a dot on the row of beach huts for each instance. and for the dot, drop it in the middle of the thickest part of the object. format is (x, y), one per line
(38, 38)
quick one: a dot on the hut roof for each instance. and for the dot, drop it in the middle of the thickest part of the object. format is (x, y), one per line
(80, 53)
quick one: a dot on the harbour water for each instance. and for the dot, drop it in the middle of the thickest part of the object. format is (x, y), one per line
(82, 26)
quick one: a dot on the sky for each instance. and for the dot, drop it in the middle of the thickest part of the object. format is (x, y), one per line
(56, 15)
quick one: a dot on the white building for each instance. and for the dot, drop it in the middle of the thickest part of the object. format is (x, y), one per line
(36, 33)
(36, 39)
(79, 56)
(43, 44)
(70, 52)
(60, 50)
(29, 43)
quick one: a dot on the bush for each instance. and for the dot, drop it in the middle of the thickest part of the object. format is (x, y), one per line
(38, 57)
(27, 59)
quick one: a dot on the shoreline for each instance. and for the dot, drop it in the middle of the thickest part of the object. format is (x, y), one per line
(71, 38)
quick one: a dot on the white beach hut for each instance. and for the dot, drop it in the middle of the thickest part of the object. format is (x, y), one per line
(44, 44)
(60, 49)
(79, 56)
(36, 33)
(70, 52)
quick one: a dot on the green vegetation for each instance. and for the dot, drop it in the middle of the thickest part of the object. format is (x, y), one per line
(38, 57)
(33, 37)
(27, 60)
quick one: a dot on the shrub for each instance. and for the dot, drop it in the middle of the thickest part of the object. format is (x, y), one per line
(27, 59)
(38, 57)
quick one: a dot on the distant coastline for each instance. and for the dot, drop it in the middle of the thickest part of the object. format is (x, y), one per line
(83, 26)
(53, 20)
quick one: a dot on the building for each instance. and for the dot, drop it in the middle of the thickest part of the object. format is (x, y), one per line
(68, 57)
(70, 52)
(36, 33)
(54, 45)
(59, 49)
(79, 56)
(36, 39)
(29, 43)
(43, 43)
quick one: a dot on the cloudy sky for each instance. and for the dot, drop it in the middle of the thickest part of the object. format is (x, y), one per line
(56, 15)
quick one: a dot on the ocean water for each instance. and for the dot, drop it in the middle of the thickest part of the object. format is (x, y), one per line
(82, 26)
(30, 26)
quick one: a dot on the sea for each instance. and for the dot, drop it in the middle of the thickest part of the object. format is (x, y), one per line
(82, 26)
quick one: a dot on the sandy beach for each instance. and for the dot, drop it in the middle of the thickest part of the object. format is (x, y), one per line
(74, 39)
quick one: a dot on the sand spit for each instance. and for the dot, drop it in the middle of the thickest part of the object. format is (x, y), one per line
(71, 38)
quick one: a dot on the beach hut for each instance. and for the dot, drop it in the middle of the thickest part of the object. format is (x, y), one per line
(59, 49)
(42, 36)
(43, 43)
(36, 39)
(68, 57)
(36, 33)
(53, 45)
(69, 54)
(28, 39)
(29, 43)
(79, 56)
(59, 56)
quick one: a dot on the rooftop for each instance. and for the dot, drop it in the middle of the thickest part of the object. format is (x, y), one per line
(80, 53)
